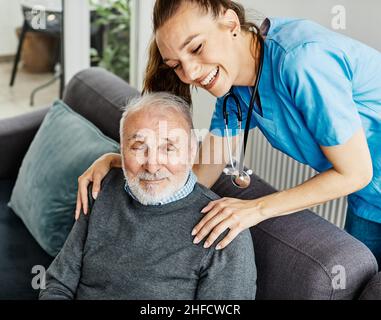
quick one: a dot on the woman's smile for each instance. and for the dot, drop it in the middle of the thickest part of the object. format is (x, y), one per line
(208, 82)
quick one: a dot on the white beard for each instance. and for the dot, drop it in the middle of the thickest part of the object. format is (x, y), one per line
(153, 195)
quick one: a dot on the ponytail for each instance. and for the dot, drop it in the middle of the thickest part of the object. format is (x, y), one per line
(160, 77)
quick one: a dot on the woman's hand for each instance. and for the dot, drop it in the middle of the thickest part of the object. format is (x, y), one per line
(235, 214)
(94, 174)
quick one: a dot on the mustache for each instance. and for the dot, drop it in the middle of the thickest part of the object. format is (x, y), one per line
(150, 176)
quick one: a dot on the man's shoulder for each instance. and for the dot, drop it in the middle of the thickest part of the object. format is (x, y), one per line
(114, 176)
(206, 193)
(112, 182)
(243, 241)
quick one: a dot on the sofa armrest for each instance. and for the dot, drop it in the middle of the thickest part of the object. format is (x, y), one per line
(372, 290)
(16, 134)
(303, 256)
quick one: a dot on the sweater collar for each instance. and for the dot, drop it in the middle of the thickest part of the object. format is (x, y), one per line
(178, 195)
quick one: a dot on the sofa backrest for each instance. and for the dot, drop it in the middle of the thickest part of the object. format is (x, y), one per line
(100, 97)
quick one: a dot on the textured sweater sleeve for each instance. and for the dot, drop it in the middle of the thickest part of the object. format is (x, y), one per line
(230, 273)
(62, 277)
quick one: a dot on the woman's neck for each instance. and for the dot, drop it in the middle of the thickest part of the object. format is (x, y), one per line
(249, 61)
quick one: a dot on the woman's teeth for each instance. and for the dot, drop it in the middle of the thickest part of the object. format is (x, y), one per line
(210, 77)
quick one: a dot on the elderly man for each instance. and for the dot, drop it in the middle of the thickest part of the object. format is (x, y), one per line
(137, 242)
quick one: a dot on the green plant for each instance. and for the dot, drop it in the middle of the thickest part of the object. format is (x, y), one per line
(114, 16)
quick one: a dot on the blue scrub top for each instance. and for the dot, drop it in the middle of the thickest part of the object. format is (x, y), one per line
(317, 89)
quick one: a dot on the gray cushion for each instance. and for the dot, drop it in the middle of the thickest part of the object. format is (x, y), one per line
(44, 195)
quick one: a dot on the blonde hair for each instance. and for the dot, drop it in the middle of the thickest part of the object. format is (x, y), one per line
(160, 77)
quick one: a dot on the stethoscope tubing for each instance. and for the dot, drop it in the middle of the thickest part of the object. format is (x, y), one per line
(254, 94)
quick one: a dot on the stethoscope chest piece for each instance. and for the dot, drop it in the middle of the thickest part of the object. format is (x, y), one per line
(240, 180)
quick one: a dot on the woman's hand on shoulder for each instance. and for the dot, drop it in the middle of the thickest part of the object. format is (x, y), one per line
(94, 174)
(226, 213)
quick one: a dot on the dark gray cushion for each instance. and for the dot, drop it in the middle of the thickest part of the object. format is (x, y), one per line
(298, 256)
(372, 290)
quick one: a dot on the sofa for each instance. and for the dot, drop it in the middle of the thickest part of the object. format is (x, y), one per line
(299, 256)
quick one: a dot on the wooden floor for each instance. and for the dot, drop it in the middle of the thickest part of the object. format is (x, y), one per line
(15, 100)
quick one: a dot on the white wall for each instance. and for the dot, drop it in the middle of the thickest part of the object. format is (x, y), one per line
(362, 16)
(76, 37)
(10, 19)
(141, 32)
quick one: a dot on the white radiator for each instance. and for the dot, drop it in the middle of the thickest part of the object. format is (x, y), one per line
(283, 172)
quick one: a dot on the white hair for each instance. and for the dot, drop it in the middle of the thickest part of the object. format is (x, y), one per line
(159, 100)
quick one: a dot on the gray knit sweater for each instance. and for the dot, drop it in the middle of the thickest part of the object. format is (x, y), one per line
(125, 250)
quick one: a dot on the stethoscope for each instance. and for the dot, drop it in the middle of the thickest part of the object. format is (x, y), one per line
(239, 176)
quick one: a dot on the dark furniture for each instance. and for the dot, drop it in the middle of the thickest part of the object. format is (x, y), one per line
(297, 256)
(52, 25)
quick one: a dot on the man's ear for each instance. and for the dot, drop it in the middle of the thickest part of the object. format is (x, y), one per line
(230, 19)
